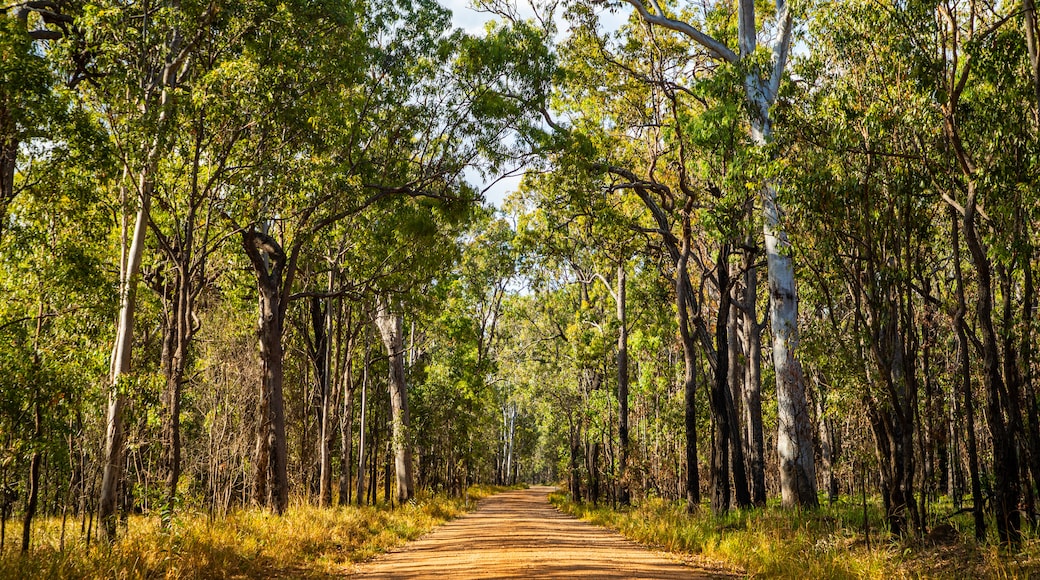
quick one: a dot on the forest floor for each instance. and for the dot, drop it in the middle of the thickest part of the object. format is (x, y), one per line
(518, 534)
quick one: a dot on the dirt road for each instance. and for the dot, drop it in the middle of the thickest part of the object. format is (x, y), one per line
(518, 534)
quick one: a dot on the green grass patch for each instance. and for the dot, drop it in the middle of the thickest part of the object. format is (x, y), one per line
(824, 543)
(307, 542)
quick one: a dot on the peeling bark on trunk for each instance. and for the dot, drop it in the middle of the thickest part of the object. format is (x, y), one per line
(121, 358)
(794, 442)
(390, 327)
(271, 478)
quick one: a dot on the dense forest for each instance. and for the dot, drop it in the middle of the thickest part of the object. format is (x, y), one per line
(761, 254)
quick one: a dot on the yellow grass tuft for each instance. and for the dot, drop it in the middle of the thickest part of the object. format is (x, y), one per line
(307, 542)
(826, 543)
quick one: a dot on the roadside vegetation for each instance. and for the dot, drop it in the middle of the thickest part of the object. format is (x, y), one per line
(829, 542)
(307, 542)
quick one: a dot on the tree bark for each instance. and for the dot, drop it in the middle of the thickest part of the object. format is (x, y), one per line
(827, 451)
(346, 420)
(390, 327)
(178, 330)
(271, 475)
(720, 481)
(1005, 460)
(734, 386)
(794, 430)
(32, 501)
(682, 287)
(964, 363)
(321, 355)
(8, 156)
(121, 360)
(752, 392)
(624, 495)
(361, 488)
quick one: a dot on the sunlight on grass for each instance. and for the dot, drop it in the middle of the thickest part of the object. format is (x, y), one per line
(308, 542)
(826, 543)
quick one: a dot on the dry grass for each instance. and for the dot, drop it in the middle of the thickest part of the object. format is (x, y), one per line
(827, 543)
(307, 542)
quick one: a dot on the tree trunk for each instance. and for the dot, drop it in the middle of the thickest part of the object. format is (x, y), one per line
(734, 385)
(34, 484)
(960, 328)
(794, 431)
(391, 328)
(624, 495)
(346, 420)
(361, 489)
(178, 331)
(121, 360)
(827, 451)
(752, 393)
(1005, 460)
(271, 475)
(574, 474)
(1032, 414)
(720, 453)
(682, 287)
(321, 323)
(8, 156)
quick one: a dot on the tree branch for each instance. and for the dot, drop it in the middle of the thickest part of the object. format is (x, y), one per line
(716, 48)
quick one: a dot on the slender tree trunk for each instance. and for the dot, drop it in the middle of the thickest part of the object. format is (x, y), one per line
(1032, 414)
(960, 328)
(682, 284)
(720, 482)
(752, 392)
(121, 360)
(390, 327)
(361, 489)
(574, 473)
(827, 454)
(734, 385)
(624, 495)
(324, 351)
(1005, 460)
(511, 432)
(9, 145)
(177, 336)
(346, 419)
(32, 501)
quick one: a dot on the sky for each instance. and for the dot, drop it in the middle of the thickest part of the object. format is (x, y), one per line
(473, 21)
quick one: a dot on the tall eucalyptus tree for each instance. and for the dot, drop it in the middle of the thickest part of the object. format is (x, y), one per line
(761, 85)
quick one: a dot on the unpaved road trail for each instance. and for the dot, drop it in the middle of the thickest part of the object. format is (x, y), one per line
(518, 534)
